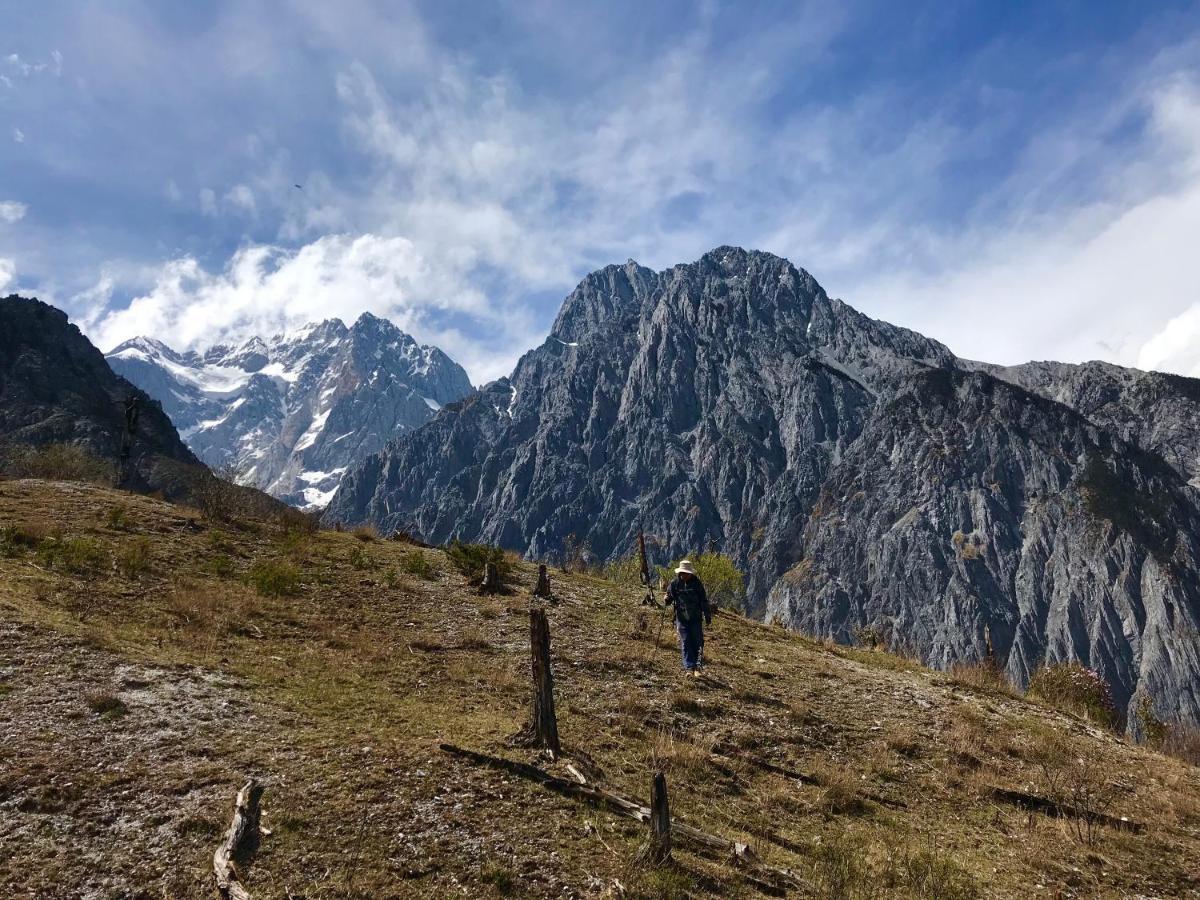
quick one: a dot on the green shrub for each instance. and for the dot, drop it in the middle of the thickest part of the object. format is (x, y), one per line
(501, 877)
(220, 565)
(417, 564)
(16, 539)
(76, 556)
(133, 559)
(57, 462)
(106, 705)
(1074, 688)
(275, 578)
(1154, 730)
(627, 570)
(470, 560)
(724, 584)
(359, 558)
(118, 517)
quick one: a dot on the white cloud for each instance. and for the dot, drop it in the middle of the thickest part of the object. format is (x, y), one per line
(1113, 280)
(8, 272)
(208, 202)
(18, 136)
(12, 211)
(242, 198)
(266, 290)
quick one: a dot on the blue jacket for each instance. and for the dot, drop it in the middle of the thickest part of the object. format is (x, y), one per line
(689, 599)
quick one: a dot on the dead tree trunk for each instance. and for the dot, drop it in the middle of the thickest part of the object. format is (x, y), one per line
(542, 730)
(660, 820)
(543, 583)
(491, 579)
(242, 830)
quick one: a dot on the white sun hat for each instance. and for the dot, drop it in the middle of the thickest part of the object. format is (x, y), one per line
(685, 565)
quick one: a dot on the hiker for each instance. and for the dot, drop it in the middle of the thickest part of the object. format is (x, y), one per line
(692, 613)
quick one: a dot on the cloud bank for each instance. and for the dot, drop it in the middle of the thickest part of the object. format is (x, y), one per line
(1016, 196)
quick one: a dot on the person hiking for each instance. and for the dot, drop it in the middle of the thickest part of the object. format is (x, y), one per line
(692, 613)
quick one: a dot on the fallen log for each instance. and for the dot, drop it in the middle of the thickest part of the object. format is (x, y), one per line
(241, 830)
(1060, 811)
(629, 809)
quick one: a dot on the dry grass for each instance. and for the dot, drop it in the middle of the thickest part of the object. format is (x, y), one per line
(982, 676)
(351, 680)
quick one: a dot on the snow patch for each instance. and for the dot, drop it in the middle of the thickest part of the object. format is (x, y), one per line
(314, 431)
(432, 404)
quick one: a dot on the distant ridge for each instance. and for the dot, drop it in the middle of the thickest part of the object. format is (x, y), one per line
(291, 413)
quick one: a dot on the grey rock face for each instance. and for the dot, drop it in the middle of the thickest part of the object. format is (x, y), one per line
(1155, 410)
(705, 402)
(55, 387)
(860, 474)
(291, 414)
(969, 504)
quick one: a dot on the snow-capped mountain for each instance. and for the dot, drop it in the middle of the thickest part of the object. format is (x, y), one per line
(292, 413)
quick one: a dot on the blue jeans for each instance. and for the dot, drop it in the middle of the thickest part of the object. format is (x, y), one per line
(691, 640)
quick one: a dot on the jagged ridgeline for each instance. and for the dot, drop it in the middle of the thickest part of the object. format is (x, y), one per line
(291, 413)
(865, 478)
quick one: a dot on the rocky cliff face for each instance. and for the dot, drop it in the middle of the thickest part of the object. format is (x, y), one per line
(865, 478)
(706, 402)
(55, 387)
(1155, 410)
(291, 414)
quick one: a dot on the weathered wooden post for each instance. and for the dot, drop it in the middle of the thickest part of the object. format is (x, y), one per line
(543, 726)
(660, 820)
(491, 579)
(542, 589)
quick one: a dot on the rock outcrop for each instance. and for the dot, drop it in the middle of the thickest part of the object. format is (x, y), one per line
(56, 388)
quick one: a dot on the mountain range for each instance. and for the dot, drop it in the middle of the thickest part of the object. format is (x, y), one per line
(291, 413)
(866, 479)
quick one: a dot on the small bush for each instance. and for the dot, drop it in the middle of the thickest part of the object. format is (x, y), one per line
(724, 584)
(417, 564)
(984, 676)
(295, 544)
(470, 560)
(275, 578)
(134, 558)
(501, 877)
(1153, 729)
(220, 565)
(57, 462)
(359, 558)
(75, 556)
(106, 705)
(1074, 688)
(1182, 742)
(627, 570)
(118, 517)
(16, 539)
(366, 533)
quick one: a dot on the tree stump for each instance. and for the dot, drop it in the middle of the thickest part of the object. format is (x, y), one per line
(542, 589)
(660, 820)
(243, 830)
(491, 579)
(542, 730)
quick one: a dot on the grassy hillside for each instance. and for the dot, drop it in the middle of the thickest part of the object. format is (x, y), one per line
(150, 661)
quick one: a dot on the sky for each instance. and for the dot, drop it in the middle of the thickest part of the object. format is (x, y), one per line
(1018, 180)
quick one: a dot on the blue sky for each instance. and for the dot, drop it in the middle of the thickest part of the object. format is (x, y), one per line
(1019, 180)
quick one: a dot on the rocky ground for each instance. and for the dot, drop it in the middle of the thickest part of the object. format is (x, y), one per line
(151, 661)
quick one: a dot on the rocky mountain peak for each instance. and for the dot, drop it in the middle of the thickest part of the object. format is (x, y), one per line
(861, 474)
(290, 414)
